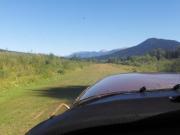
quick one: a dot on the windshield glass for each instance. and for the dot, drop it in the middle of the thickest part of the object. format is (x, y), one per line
(131, 82)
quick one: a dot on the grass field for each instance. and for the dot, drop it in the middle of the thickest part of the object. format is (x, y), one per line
(23, 107)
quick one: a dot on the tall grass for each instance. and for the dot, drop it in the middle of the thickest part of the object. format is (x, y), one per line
(149, 63)
(23, 69)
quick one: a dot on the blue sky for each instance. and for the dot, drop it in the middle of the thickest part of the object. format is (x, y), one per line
(65, 26)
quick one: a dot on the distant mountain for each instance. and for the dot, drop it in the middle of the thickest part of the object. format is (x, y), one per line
(1, 50)
(88, 54)
(143, 48)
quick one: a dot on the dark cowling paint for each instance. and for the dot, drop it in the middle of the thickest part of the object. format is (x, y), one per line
(127, 107)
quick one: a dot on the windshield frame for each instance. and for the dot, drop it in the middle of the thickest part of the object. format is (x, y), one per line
(102, 96)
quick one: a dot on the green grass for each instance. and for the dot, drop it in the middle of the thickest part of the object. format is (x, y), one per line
(20, 106)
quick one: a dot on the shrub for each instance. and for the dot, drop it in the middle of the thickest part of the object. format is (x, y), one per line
(3, 74)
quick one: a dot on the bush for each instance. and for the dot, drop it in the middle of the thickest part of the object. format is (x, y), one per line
(175, 67)
(3, 74)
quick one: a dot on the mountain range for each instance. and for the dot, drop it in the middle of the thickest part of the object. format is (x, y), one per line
(90, 54)
(137, 50)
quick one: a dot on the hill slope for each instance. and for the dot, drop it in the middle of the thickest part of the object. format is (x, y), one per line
(144, 47)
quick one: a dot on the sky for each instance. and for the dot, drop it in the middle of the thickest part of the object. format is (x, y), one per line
(66, 26)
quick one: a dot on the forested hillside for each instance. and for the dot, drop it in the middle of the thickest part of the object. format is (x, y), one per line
(143, 48)
(159, 60)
